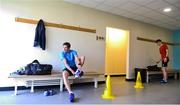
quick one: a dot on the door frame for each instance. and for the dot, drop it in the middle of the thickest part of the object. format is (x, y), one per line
(127, 53)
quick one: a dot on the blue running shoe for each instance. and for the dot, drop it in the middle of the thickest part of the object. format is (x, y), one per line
(46, 93)
(71, 97)
(51, 92)
(78, 73)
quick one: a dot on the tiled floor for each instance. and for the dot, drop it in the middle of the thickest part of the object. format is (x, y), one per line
(125, 93)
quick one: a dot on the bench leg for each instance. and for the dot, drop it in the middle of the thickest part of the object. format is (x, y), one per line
(15, 88)
(61, 85)
(175, 76)
(95, 83)
(32, 86)
(147, 78)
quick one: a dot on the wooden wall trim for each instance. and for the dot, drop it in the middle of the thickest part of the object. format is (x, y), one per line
(177, 44)
(154, 41)
(48, 24)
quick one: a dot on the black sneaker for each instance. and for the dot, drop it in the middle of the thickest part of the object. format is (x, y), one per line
(71, 97)
(162, 81)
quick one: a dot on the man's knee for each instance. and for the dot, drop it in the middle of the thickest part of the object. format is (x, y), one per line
(82, 60)
(164, 68)
(82, 57)
(65, 74)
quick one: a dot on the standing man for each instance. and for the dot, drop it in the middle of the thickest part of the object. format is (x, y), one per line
(71, 63)
(163, 49)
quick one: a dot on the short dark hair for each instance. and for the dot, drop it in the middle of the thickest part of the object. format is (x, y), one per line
(67, 44)
(158, 40)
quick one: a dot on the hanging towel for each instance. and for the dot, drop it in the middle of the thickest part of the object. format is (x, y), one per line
(40, 35)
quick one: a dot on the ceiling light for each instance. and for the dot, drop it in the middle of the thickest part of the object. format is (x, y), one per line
(167, 9)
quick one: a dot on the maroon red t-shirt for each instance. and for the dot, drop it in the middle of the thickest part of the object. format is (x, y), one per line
(162, 51)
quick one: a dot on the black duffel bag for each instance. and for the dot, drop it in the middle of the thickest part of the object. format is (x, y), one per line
(44, 69)
(35, 68)
(153, 68)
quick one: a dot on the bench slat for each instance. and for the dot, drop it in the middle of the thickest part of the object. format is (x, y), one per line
(54, 74)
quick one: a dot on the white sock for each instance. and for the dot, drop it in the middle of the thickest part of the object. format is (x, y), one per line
(70, 92)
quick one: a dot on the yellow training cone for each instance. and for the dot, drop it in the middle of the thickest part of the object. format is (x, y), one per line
(107, 92)
(138, 81)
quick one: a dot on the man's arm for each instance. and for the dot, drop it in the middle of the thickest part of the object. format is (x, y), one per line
(167, 53)
(159, 60)
(63, 59)
(67, 66)
(78, 63)
(165, 59)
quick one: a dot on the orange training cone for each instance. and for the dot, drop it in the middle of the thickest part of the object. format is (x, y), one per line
(139, 84)
(107, 92)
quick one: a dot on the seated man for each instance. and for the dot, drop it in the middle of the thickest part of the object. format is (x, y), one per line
(71, 63)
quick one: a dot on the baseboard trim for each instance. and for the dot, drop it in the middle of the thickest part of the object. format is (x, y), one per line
(119, 75)
(130, 79)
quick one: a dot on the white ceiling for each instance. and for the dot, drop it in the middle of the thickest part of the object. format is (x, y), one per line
(148, 11)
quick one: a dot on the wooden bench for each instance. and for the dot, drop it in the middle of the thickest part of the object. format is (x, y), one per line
(53, 76)
(169, 71)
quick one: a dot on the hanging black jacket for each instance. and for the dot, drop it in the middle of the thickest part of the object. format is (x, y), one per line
(40, 35)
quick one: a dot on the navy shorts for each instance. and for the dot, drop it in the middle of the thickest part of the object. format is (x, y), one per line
(70, 73)
(165, 64)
